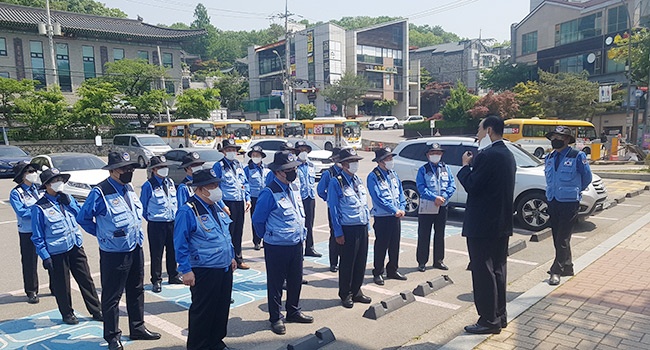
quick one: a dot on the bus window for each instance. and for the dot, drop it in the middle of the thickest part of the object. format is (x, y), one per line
(160, 131)
(586, 132)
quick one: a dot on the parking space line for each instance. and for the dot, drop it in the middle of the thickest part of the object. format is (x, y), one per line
(603, 218)
(577, 236)
(629, 205)
(8, 222)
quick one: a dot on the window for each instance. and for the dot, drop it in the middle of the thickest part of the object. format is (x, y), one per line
(529, 43)
(579, 29)
(613, 66)
(38, 64)
(88, 53)
(4, 74)
(168, 60)
(271, 145)
(121, 140)
(144, 55)
(617, 19)
(118, 54)
(416, 151)
(63, 67)
(3, 47)
(161, 131)
(169, 87)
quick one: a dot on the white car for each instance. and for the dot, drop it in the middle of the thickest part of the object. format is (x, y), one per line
(382, 123)
(85, 170)
(530, 184)
(318, 156)
(410, 119)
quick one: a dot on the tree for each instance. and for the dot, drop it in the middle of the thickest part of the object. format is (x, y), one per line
(504, 76)
(384, 106)
(425, 78)
(42, 110)
(347, 92)
(434, 97)
(89, 7)
(197, 103)
(459, 103)
(202, 45)
(503, 104)
(569, 95)
(306, 111)
(10, 90)
(233, 91)
(98, 99)
(529, 99)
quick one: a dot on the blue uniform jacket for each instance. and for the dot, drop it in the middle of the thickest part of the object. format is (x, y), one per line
(430, 186)
(347, 207)
(324, 181)
(386, 192)
(307, 175)
(278, 218)
(156, 205)
(54, 229)
(256, 176)
(234, 184)
(22, 198)
(184, 192)
(572, 176)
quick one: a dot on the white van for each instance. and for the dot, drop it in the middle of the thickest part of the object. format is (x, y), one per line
(141, 147)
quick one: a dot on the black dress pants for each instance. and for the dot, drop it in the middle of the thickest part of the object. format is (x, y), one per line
(120, 272)
(73, 261)
(208, 315)
(563, 217)
(488, 258)
(283, 263)
(354, 254)
(161, 238)
(256, 239)
(29, 260)
(309, 204)
(236, 226)
(387, 237)
(425, 222)
(334, 248)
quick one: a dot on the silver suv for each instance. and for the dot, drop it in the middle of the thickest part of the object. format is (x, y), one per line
(141, 147)
(530, 184)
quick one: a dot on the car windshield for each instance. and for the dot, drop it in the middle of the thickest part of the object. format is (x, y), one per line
(12, 152)
(522, 157)
(80, 162)
(351, 129)
(209, 155)
(151, 141)
(202, 129)
(239, 130)
(294, 129)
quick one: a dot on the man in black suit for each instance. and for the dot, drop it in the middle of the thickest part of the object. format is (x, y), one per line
(489, 181)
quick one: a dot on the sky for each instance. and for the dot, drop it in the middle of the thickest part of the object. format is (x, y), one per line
(466, 18)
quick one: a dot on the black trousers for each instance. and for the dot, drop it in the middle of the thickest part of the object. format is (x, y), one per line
(387, 236)
(283, 263)
(309, 204)
(563, 217)
(425, 222)
(488, 258)
(161, 238)
(29, 260)
(334, 248)
(73, 261)
(120, 272)
(354, 254)
(256, 239)
(208, 315)
(236, 227)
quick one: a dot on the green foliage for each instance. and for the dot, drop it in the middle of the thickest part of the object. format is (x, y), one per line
(529, 98)
(425, 35)
(639, 50)
(459, 103)
(233, 90)
(197, 103)
(10, 90)
(89, 7)
(434, 97)
(148, 105)
(504, 105)
(384, 106)
(347, 92)
(43, 110)
(425, 78)
(504, 76)
(569, 95)
(98, 99)
(358, 22)
(306, 111)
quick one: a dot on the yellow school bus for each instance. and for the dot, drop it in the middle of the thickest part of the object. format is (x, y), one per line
(188, 133)
(239, 130)
(531, 133)
(330, 132)
(274, 128)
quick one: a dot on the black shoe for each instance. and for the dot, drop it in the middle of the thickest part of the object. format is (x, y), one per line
(257, 246)
(32, 298)
(175, 280)
(299, 318)
(440, 265)
(422, 268)
(479, 329)
(363, 299)
(232, 301)
(347, 302)
(554, 280)
(313, 253)
(565, 273)
(304, 281)
(397, 276)
(98, 317)
(70, 319)
(378, 280)
(156, 287)
(504, 323)
(334, 268)
(115, 345)
(278, 327)
(145, 335)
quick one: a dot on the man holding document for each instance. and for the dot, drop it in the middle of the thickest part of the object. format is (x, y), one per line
(436, 185)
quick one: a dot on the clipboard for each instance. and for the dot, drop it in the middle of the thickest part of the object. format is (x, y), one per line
(428, 207)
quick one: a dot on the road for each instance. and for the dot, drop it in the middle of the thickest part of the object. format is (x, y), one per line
(39, 326)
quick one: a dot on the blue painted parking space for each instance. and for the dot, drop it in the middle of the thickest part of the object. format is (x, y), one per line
(45, 331)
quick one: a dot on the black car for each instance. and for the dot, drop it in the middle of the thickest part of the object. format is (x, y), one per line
(175, 157)
(9, 156)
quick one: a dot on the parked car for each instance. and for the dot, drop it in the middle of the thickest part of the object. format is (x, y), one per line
(9, 156)
(318, 156)
(141, 147)
(410, 119)
(530, 185)
(85, 170)
(175, 157)
(382, 123)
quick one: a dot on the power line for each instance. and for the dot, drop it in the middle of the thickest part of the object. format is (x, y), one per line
(440, 9)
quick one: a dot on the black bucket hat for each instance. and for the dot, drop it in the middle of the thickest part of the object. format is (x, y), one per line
(50, 174)
(335, 154)
(287, 146)
(20, 168)
(229, 143)
(190, 159)
(348, 155)
(258, 149)
(562, 130)
(204, 177)
(434, 146)
(302, 143)
(284, 160)
(382, 154)
(118, 160)
(157, 161)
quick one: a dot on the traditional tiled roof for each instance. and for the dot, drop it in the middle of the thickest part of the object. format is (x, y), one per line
(76, 24)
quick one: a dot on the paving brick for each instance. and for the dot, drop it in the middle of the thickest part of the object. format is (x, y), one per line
(543, 324)
(602, 318)
(603, 328)
(575, 303)
(564, 329)
(635, 344)
(616, 312)
(520, 345)
(540, 334)
(611, 340)
(559, 318)
(566, 340)
(627, 334)
(587, 345)
(521, 339)
(492, 345)
(587, 334)
(646, 338)
(624, 323)
(520, 329)
(560, 309)
(547, 346)
(581, 322)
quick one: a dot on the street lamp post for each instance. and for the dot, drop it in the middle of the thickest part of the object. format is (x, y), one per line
(50, 30)
(285, 86)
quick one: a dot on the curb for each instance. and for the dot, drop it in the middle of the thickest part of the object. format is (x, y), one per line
(624, 176)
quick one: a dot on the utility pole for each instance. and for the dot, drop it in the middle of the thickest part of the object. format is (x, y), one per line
(286, 69)
(50, 31)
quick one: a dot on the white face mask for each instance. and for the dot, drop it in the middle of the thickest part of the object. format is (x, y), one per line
(435, 158)
(389, 164)
(163, 172)
(354, 167)
(231, 155)
(339, 165)
(196, 168)
(484, 142)
(57, 186)
(303, 156)
(32, 177)
(215, 194)
(257, 160)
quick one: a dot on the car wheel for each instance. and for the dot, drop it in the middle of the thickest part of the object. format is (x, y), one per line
(395, 126)
(532, 211)
(142, 162)
(539, 152)
(412, 199)
(381, 127)
(328, 146)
